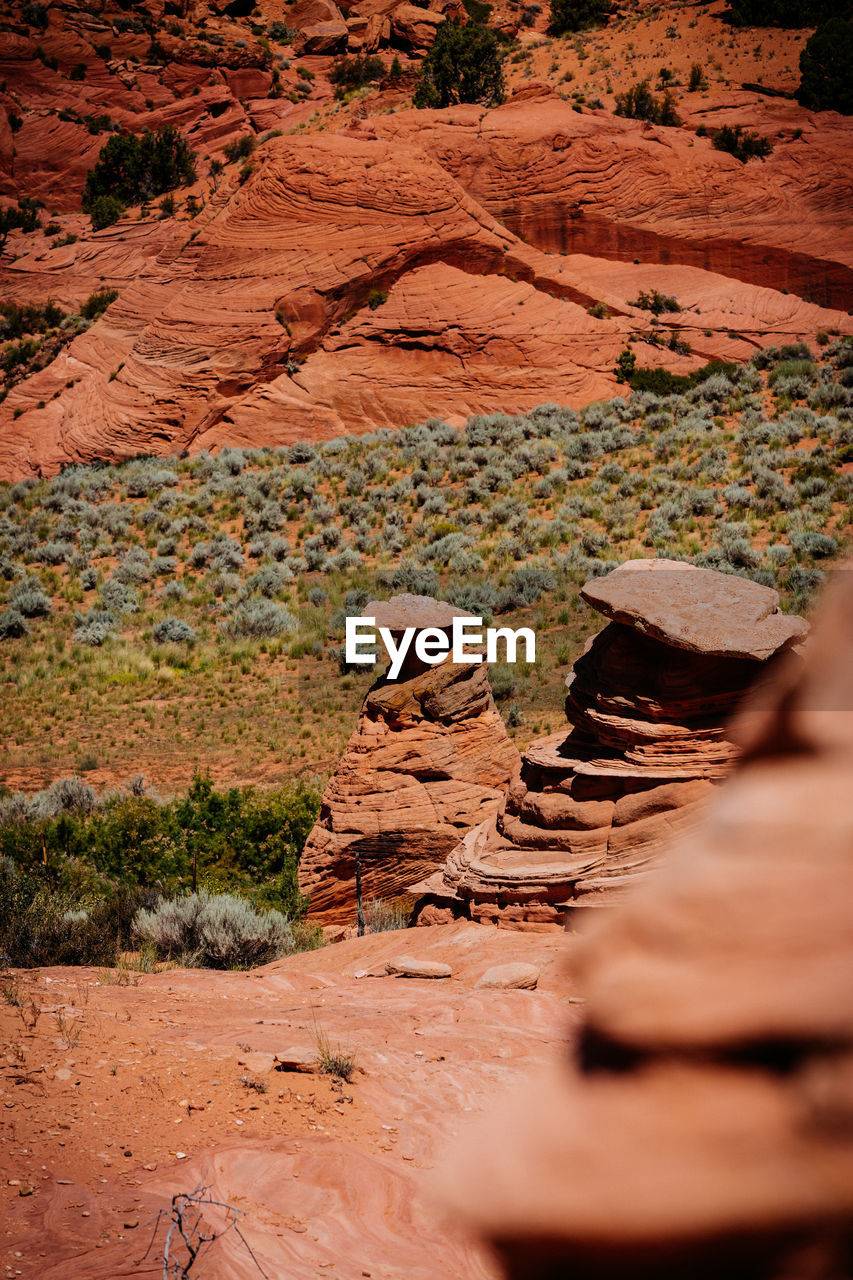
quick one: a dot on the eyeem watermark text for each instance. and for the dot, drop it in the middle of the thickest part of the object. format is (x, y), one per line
(468, 642)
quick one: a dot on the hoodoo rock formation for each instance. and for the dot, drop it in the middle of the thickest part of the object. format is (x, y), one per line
(705, 1126)
(429, 759)
(648, 703)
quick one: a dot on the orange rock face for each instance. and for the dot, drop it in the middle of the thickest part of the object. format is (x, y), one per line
(623, 189)
(648, 702)
(249, 325)
(704, 1125)
(429, 759)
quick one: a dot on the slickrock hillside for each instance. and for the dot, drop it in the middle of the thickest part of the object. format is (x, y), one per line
(429, 759)
(703, 1124)
(380, 265)
(590, 810)
(623, 189)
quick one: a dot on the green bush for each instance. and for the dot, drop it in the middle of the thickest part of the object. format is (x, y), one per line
(239, 148)
(742, 145)
(97, 303)
(133, 168)
(237, 839)
(354, 72)
(655, 302)
(826, 83)
(465, 64)
(105, 211)
(639, 103)
(43, 925)
(577, 15)
(24, 218)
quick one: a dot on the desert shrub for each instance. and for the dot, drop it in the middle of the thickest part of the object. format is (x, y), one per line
(93, 628)
(54, 552)
(655, 302)
(13, 625)
(383, 915)
(239, 148)
(134, 566)
(22, 218)
(526, 585)
(639, 103)
(173, 631)
(577, 15)
(28, 597)
(355, 71)
(119, 597)
(258, 619)
(97, 303)
(817, 546)
(131, 168)
(215, 931)
(245, 840)
(105, 211)
(741, 144)
(43, 925)
(270, 580)
(464, 64)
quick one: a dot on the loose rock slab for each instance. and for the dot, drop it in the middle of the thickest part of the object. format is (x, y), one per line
(409, 967)
(300, 1059)
(511, 977)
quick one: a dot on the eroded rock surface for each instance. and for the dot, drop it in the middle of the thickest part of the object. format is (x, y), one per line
(705, 1125)
(429, 759)
(648, 701)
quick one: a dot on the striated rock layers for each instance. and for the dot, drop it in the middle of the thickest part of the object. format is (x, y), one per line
(705, 1126)
(648, 703)
(429, 759)
(266, 323)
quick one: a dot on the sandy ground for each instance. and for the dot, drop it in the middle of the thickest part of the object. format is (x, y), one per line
(119, 1097)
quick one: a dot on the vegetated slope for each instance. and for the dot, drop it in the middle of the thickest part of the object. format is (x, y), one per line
(190, 612)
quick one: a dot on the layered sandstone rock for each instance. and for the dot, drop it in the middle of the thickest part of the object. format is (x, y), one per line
(648, 702)
(475, 319)
(705, 1125)
(595, 183)
(429, 759)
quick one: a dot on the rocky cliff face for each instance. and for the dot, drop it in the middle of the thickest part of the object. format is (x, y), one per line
(648, 702)
(429, 759)
(364, 278)
(703, 1126)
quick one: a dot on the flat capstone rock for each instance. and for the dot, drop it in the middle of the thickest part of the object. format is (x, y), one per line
(697, 609)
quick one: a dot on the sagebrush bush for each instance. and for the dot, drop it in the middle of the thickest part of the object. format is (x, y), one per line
(215, 931)
(173, 631)
(258, 619)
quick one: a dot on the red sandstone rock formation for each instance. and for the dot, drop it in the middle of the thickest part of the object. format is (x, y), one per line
(705, 1124)
(648, 703)
(251, 327)
(428, 760)
(601, 185)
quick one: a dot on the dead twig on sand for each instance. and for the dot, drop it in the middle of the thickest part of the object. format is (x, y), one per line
(186, 1225)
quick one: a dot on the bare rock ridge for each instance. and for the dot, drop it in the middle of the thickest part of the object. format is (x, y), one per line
(590, 809)
(705, 1124)
(429, 759)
